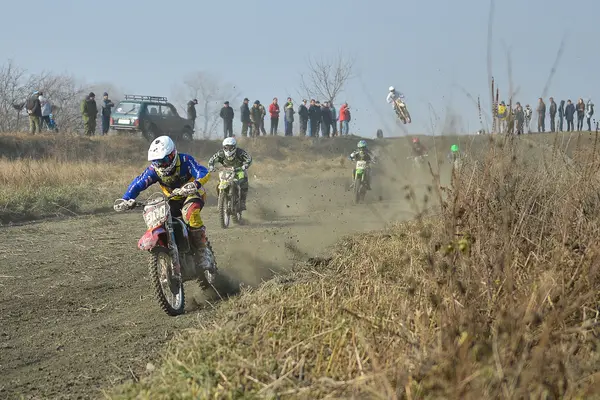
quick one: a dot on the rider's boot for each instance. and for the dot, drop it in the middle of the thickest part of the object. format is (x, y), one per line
(243, 196)
(201, 255)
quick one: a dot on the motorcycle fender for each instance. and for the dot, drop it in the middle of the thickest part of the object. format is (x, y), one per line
(151, 238)
(223, 185)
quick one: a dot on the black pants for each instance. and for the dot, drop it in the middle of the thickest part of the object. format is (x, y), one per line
(314, 128)
(245, 127)
(274, 125)
(541, 124)
(560, 123)
(552, 123)
(325, 128)
(589, 124)
(227, 128)
(303, 126)
(105, 124)
(569, 125)
(579, 123)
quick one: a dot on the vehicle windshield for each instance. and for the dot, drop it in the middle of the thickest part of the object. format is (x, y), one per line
(128, 107)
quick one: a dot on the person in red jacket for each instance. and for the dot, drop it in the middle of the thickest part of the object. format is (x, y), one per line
(274, 112)
(344, 118)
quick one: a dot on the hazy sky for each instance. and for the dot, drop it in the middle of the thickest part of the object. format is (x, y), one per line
(423, 48)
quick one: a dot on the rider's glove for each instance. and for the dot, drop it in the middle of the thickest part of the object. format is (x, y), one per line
(187, 189)
(244, 167)
(211, 168)
(124, 205)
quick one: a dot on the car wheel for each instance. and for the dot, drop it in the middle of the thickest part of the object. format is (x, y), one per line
(151, 132)
(187, 133)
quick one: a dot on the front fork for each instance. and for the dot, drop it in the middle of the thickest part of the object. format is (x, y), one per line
(172, 246)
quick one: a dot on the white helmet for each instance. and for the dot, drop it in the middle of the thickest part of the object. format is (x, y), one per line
(392, 89)
(163, 155)
(229, 147)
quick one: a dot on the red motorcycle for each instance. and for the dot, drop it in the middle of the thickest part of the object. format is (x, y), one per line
(167, 240)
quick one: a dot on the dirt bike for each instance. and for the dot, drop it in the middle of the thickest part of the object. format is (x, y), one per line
(401, 111)
(230, 191)
(359, 185)
(167, 240)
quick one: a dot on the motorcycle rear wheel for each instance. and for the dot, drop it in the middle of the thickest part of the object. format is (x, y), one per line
(174, 289)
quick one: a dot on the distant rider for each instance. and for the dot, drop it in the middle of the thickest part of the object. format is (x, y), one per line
(454, 154)
(232, 156)
(362, 153)
(178, 174)
(418, 148)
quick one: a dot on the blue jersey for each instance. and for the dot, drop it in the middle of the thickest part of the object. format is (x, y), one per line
(186, 170)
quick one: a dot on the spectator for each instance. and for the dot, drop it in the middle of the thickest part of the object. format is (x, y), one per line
(227, 114)
(191, 112)
(107, 106)
(334, 119)
(34, 109)
(519, 118)
(289, 118)
(541, 115)
(262, 118)
(314, 114)
(303, 115)
(561, 115)
(274, 113)
(256, 116)
(552, 112)
(325, 119)
(580, 113)
(502, 115)
(318, 104)
(285, 123)
(46, 107)
(89, 112)
(245, 118)
(344, 119)
(528, 114)
(569, 114)
(589, 112)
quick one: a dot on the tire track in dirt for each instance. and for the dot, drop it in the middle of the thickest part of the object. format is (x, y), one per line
(76, 309)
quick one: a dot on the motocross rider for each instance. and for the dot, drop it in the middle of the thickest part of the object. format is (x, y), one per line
(178, 174)
(232, 156)
(417, 147)
(362, 153)
(394, 95)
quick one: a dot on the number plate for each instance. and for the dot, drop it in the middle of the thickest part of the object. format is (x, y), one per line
(361, 164)
(124, 122)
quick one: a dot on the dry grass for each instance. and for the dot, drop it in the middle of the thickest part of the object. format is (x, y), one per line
(498, 299)
(54, 175)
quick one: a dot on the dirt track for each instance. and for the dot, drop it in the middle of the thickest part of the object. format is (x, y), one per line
(76, 311)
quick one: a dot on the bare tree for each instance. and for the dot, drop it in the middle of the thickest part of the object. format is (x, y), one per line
(325, 78)
(63, 91)
(211, 93)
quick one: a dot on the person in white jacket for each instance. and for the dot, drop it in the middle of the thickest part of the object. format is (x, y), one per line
(46, 110)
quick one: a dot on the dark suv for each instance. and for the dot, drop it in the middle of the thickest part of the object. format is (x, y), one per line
(150, 115)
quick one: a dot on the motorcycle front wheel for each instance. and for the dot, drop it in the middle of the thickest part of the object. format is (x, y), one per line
(223, 212)
(236, 212)
(167, 291)
(357, 189)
